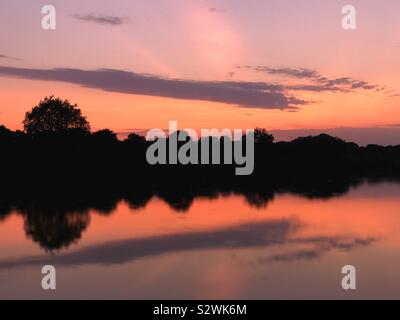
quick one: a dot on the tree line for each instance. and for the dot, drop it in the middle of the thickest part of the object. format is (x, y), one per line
(57, 151)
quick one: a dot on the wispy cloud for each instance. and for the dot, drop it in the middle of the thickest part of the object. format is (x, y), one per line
(321, 245)
(295, 73)
(244, 94)
(216, 10)
(3, 56)
(101, 19)
(316, 81)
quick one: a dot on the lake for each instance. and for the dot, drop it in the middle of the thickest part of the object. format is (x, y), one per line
(224, 247)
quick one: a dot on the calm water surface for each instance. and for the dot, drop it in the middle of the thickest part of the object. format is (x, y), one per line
(222, 248)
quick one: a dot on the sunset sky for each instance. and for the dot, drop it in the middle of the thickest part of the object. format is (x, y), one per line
(284, 65)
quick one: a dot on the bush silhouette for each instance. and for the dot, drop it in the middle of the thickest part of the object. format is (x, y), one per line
(105, 136)
(135, 138)
(261, 136)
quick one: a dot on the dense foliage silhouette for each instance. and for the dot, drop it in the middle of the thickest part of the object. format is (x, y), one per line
(54, 115)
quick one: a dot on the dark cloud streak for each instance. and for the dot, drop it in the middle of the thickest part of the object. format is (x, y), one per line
(101, 19)
(244, 94)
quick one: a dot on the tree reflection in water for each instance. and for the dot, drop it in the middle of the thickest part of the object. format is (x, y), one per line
(58, 223)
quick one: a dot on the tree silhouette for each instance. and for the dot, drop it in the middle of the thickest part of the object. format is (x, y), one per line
(105, 136)
(135, 138)
(53, 115)
(262, 136)
(4, 131)
(54, 228)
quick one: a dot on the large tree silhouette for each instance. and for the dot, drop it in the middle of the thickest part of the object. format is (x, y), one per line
(53, 115)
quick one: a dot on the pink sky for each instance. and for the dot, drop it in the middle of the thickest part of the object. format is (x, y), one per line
(277, 64)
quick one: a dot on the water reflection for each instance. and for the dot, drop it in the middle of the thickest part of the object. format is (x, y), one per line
(270, 233)
(57, 223)
(246, 232)
(54, 230)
